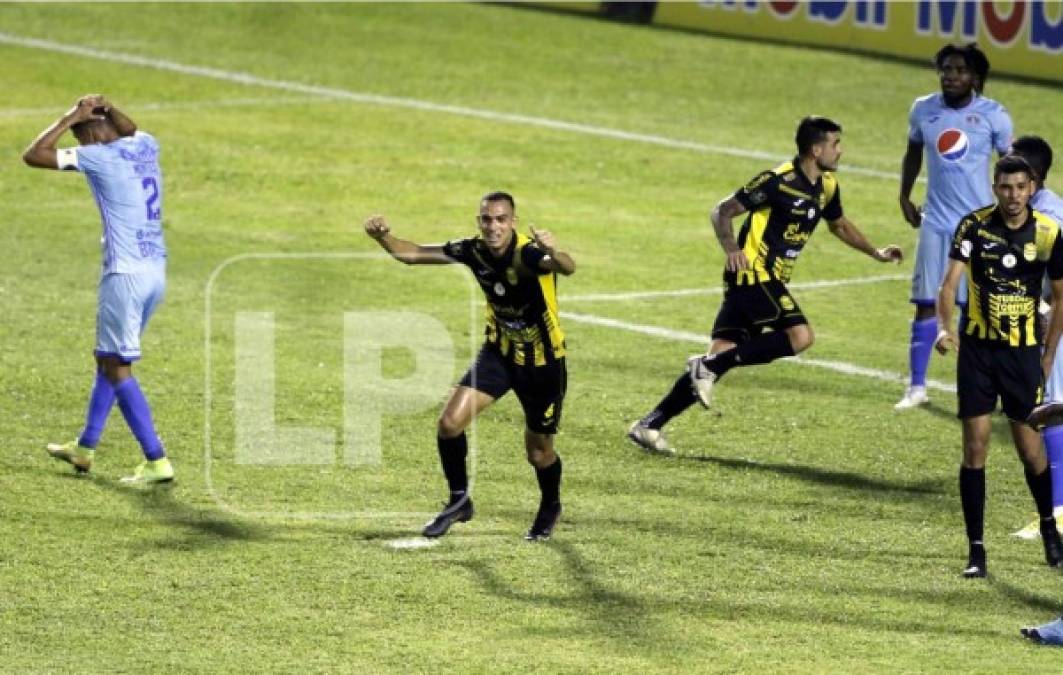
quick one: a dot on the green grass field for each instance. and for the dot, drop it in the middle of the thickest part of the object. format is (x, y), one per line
(805, 527)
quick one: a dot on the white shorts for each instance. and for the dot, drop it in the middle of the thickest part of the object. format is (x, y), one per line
(931, 261)
(125, 303)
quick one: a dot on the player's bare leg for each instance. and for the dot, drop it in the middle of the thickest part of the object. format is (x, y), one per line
(1039, 480)
(976, 432)
(547, 465)
(464, 404)
(764, 348)
(648, 432)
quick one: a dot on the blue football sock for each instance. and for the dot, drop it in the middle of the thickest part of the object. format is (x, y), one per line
(1054, 448)
(137, 415)
(100, 403)
(923, 333)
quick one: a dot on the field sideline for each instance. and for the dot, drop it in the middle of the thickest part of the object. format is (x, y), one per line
(804, 527)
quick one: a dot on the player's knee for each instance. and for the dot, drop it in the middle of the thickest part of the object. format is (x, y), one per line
(450, 425)
(974, 453)
(801, 338)
(541, 458)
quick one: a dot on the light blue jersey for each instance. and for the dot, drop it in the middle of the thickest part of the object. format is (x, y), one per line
(959, 145)
(1051, 204)
(126, 182)
(1048, 203)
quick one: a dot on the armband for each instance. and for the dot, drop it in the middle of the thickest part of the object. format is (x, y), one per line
(66, 159)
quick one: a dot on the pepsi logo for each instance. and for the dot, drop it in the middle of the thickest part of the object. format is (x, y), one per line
(952, 145)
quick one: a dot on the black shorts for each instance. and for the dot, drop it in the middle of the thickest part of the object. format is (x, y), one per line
(985, 370)
(541, 389)
(748, 310)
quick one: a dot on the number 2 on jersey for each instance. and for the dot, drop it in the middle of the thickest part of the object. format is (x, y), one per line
(152, 202)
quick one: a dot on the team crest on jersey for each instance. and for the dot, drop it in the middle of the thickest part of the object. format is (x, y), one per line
(1029, 251)
(1009, 261)
(787, 302)
(500, 290)
(511, 276)
(952, 145)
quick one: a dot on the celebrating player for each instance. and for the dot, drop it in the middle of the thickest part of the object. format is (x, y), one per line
(122, 168)
(1004, 250)
(524, 349)
(959, 129)
(784, 206)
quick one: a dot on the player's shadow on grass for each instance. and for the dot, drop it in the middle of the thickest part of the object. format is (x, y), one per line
(1047, 604)
(1001, 432)
(204, 526)
(623, 616)
(830, 477)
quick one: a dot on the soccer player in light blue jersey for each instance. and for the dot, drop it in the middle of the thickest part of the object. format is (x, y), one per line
(121, 165)
(958, 129)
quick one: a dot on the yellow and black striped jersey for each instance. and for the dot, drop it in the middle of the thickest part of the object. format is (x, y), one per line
(521, 310)
(1005, 268)
(784, 208)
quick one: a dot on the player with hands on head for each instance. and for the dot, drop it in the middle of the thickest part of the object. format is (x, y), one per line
(121, 165)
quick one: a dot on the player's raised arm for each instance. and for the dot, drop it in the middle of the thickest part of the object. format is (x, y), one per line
(721, 217)
(848, 232)
(404, 251)
(556, 260)
(42, 152)
(910, 167)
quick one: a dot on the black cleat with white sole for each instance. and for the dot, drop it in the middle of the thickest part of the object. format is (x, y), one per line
(976, 564)
(1052, 543)
(457, 511)
(545, 520)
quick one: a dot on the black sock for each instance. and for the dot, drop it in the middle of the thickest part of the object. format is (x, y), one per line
(1041, 489)
(452, 453)
(972, 496)
(761, 349)
(676, 401)
(550, 483)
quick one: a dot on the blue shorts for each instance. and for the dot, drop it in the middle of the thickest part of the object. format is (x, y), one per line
(124, 305)
(931, 261)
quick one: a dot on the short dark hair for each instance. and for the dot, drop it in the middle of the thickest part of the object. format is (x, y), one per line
(814, 129)
(974, 57)
(500, 196)
(1036, 151)
(1009, 164)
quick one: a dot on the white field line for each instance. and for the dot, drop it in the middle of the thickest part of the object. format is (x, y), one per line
(178, 105)
(400, 102)
(704, 340)
(681, 292)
